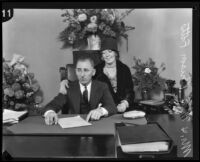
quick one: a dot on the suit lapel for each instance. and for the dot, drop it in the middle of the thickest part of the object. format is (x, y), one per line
(92, 95)
(75, 96)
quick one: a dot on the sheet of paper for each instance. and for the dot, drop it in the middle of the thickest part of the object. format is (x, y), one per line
(71, 122)
(12, 121)
(12, 115)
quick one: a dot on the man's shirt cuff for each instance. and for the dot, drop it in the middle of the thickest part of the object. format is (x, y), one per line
(47, 112)
(104, 111)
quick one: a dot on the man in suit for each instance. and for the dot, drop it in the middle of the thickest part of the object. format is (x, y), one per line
(85, 96)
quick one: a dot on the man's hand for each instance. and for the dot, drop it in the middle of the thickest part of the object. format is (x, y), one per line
(63, 86)
(51, 118)
(95, 114)
(121, 107)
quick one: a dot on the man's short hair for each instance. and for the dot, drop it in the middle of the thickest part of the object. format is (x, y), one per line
(84, 58)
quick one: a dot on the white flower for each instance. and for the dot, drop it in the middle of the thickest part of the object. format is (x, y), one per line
(82, 17)
(16, 58)
(92, 25)
(147, 70)
(21, 67)
(177, 109)
(93, 19)
(111, 18)
(70, 11)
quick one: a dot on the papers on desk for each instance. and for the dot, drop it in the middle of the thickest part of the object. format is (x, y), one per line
(71, 122)
(10, 116)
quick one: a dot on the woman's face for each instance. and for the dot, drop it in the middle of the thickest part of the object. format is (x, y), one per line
(109, 56)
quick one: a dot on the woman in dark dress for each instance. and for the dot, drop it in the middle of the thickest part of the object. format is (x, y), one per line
(116, 74)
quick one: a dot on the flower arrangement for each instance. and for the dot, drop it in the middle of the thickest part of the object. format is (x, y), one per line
(147, 75)
(82, 23)
(20, 90)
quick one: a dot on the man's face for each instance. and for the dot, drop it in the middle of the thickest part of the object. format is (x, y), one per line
(84, 71)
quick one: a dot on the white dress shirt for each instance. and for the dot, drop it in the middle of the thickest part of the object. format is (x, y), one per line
(82, 88)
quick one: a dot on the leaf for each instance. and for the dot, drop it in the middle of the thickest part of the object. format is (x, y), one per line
(162, 65)
(126, 13)
(127, 28)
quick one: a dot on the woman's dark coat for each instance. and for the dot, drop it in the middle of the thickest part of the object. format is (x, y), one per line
(124, 82)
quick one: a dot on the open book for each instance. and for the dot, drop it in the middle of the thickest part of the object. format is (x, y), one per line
(143, 138)
(10, 116)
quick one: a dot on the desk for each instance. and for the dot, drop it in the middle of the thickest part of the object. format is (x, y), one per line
(85, 142)
(180, 130)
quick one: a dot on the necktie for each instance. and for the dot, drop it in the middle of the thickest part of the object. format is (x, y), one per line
(84, 105)
(85, 94)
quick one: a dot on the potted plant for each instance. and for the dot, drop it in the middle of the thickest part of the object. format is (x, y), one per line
(147, 77)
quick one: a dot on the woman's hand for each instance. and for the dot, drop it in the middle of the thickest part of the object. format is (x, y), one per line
(121, 107)
(63, 86)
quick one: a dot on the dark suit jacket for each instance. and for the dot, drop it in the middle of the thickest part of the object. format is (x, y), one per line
(99, 94)
(124, 82)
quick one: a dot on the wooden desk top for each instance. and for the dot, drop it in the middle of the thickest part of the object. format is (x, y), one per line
(94, 144)
(180, 130)
(35, 125)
